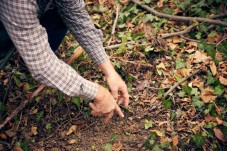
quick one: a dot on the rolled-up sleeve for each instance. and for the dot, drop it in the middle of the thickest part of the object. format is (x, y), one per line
(30, 38)
(81, 26)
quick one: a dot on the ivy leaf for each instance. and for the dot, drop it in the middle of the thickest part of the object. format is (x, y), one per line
(147, 124)
(223, 47)
(149, 144)
(180, 64)
(181, 94)
(218, 90)
(187, 89)
(107, 147)
(210, 78)
(199, 140)
(195, 91)
(197, 102)
(167, 103)
(76, 100)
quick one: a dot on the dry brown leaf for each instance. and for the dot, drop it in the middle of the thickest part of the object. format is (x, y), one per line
(219, 134)
(159, 133)
(213, 68)
(207, 95)
(223, 80)
(124, 2)
(198, 83)
(117, 147)
(201, 57)
(101, 2)
(71, 130)
(209, 118)
(17, 148)
(160, 3)
(183, 72)
(3, 136)
(172, 46)
(165, 139)
(34, 130)
(219, 121)
(217, 109)
(190, 50)
(72, 141)
(177, 40)
(161, 66)
(175, 140)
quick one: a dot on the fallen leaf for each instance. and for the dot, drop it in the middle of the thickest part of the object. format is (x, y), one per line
(101, 2)
(71, 130)
(160, 3)
(175, 140)
(190, 50)
(142, 85)
(161, 66)
(219, 121)
(72, 141)
(207, 95)
(177, 40)
(34, 130)
(159, 133)
(198, 83)
(213, 68)
(117, 147)
(165, 139)
(10, 133)
(201, 57)
(172, 46)
(223, 80)
(17, 148)
(3, 136)
(183, 72)
(209, 118)
(219, 134)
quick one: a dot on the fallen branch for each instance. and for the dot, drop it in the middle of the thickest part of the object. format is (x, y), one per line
(114, 25)
(179, 82)
(218, 15)
(187, 30)
(77, 53)
(180, 18)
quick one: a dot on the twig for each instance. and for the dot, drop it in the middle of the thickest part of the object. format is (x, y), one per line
(118, 45)
(154, 88)
(179, 82)
(114, 25)
(189, 39)
(218, 15)
(180, 18)
(220, 42)
(76, 54)
(133, 62)
(187, 30)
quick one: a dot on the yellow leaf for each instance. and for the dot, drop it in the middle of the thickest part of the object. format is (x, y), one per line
(201, 57)
(160, 3)
(213, 68)
(159, 133)
(223, 80)
(34, 130)
(219, 134)
(117, 147)
(177, 40)
(71, 129)
(175, 140)
(207, 95)
(72, 141)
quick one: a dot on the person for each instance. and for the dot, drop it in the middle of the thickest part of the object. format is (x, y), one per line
(37, 27)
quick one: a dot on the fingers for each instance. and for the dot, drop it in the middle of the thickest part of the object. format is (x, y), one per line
(93, 107)
(108, 116)
(118, 111)
(115, 93)
(124, 97)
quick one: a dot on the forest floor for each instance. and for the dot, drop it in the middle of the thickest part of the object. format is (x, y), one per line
(193, 116)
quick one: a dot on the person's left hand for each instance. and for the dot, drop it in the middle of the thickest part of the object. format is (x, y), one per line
(118, 88)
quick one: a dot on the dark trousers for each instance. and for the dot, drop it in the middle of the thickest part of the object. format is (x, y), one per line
(56, 30)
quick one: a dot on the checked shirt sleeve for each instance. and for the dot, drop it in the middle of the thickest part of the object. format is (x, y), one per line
(30, 38)
(81, 26)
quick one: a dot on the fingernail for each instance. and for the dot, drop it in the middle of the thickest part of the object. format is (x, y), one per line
(123, 115)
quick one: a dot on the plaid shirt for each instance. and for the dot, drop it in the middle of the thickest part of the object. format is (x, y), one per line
(21, 20)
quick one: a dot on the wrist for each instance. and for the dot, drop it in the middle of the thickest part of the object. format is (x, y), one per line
(107, 68)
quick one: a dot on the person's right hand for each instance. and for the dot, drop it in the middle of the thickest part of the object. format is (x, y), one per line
(104, 103)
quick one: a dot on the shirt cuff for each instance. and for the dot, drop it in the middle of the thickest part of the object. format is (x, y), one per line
(88, 90)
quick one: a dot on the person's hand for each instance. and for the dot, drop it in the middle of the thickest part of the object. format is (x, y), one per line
(105, 104)
(118, 88)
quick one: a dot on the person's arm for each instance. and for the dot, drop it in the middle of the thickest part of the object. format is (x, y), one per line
(81, 26)
(30, 38)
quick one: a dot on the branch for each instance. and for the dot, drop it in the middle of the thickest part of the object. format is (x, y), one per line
(187, 30)
(218, 15)
(77, 53)
(180, 18)
(114, 25)
(179, 82)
